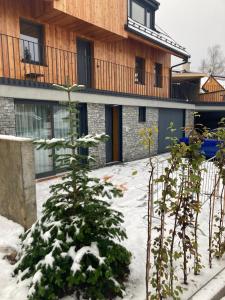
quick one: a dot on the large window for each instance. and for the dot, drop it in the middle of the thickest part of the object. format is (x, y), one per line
(158, 75)
(139, 70)
(31, 40)
(44, 120)
(141, 14)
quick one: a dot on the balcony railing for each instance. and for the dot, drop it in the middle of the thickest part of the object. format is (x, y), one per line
(29, 64)
(217, 96)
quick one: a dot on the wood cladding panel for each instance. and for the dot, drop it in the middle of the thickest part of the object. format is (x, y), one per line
(121, 70)
(213, 97)
(107, 14)
(113, 63)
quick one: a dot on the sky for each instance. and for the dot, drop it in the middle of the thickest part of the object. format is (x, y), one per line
(195, 24)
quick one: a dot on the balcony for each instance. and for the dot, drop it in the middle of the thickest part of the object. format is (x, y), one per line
(25, 63)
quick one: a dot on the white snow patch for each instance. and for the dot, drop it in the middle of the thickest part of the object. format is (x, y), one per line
(78, 255)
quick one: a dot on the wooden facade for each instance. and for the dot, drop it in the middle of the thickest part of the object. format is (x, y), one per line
(114, 52)
(212, 85)
(218, 96)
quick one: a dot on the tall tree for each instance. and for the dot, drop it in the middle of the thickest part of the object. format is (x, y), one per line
(214, 63)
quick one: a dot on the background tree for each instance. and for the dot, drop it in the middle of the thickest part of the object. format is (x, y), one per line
(214, 63)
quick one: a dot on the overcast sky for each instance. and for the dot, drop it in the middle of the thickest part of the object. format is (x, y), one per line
(195, 24)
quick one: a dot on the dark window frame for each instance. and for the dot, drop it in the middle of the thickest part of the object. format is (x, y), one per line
(158, 70)
(142, 114)
(40, 45)
(139, 71)
(147, 8)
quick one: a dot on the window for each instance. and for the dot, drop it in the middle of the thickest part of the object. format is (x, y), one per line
(139, 70)
(141, 14)
(138, 12)
(31, 40)
(158, 75)
(142, 114)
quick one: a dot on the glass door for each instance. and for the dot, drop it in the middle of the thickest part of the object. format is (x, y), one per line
(35, 121)
(46, 120)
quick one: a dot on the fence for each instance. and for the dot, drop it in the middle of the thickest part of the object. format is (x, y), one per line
(209, 177)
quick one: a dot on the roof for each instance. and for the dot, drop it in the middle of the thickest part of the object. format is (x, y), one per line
(181, 76)
(219, 79)
(158, 37)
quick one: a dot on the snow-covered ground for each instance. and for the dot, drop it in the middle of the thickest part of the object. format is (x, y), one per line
(134, 207)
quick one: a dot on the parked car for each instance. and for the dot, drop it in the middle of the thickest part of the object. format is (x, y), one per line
(209, 147)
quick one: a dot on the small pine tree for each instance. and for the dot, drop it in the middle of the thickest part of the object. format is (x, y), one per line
(73, 247)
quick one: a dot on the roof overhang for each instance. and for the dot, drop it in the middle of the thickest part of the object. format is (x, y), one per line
(179, 77)
(151, 3)
(157, 38)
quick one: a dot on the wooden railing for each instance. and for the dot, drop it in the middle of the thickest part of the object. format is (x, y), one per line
(27, 63)
(218, 96)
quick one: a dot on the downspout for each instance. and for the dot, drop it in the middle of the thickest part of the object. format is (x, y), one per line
(171, 71)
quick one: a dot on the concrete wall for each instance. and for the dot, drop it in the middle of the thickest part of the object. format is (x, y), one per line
(132, 147)
(7, 116)
(17, 180)
(96, 124)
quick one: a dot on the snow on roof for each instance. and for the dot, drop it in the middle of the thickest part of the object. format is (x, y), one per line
(159, 37)
(203, 80)
(221, 81)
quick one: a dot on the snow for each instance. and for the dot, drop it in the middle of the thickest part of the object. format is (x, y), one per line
(9, 240)
(78, 255)
(156, 36)
(14, 138)
(49, 260)
(91, 138)
(49, 142)
(221, 82)
(133, 177)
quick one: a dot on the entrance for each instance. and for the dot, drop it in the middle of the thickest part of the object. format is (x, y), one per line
(113, 123)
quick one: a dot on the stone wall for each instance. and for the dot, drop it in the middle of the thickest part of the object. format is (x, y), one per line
(17, 180)
(189, 119)
(96, 124)
(132, 147)
(7, 116)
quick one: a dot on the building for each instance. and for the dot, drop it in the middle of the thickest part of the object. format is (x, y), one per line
(213, 89)
(114, 48)
(206, 92)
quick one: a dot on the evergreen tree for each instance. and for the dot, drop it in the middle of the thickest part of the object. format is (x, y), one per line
(73, 247)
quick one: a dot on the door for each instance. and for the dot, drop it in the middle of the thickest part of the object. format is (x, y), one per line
(166, 116)
(44, 120)
(84, 62)
(35, 121)
(113, 123)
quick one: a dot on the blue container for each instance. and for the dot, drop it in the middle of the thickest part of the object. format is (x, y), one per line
(209, 146)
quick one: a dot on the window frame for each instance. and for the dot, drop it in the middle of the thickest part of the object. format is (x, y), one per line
(158, 75)
(139, 73)
(142, 114)
(40, 44)
(147, 8)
